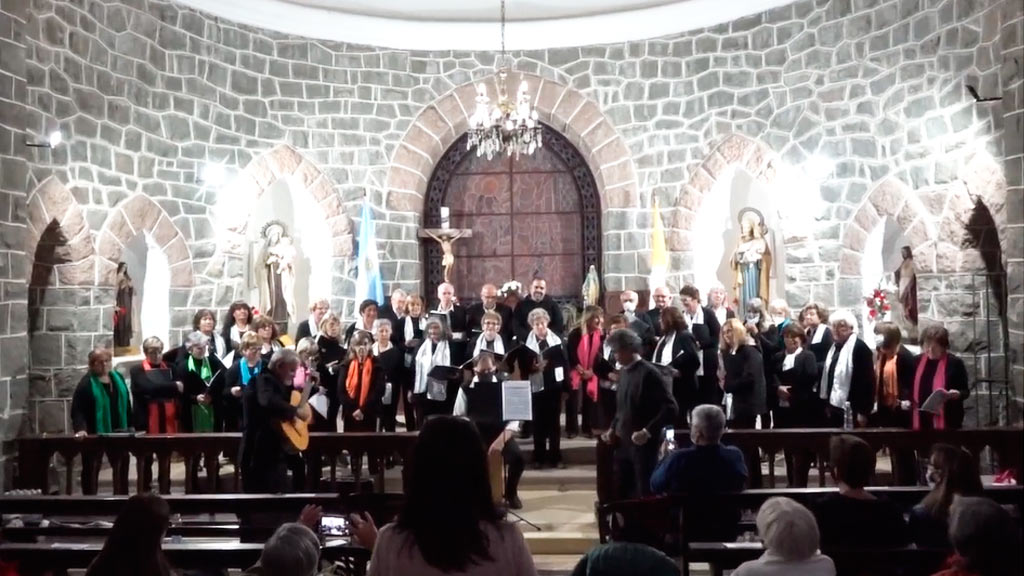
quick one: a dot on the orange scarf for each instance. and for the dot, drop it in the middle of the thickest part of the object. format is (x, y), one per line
(888, 382)
(356, 382)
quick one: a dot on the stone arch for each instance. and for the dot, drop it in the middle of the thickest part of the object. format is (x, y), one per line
(890, 198)
(260, 174)
(981, 182)
(53, 212)
(562, 107)
(138, 214)
(734, 150)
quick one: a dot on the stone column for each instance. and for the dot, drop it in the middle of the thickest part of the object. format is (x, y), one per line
(13, 264)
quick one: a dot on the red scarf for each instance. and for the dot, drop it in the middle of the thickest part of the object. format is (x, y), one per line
(355, 382)
(587, 353)
(938, 383)
(166, 408)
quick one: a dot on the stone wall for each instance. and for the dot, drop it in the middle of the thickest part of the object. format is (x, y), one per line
(146, 92)
(1013, 163)
(13, 264)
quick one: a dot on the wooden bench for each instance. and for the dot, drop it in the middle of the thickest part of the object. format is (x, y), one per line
(36, 452)
(187, 555)
(659, 512)
(1007, 444)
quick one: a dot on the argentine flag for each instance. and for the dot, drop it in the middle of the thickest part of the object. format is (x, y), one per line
(368, 284)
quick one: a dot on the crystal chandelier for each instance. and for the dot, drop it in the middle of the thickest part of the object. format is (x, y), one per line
(508, 126)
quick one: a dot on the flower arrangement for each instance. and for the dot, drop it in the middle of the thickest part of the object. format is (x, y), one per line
(878, 300)
(511, 287)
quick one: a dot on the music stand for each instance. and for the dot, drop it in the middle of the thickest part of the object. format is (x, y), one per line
(510, 511)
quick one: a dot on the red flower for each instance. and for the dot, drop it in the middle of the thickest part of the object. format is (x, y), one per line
(872, 313)
(886, 308)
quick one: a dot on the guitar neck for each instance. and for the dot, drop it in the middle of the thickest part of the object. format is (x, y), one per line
(304, 395)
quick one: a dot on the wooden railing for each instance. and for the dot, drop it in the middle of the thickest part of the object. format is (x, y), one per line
(36, 452)
(1006, 443)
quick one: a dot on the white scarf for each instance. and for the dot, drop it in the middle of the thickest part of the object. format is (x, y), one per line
(819, 333)
(697, 318)
(722, 313)
(425, 361)
(481, 344)
(537, 378)
(665, 346)
(841, 376)
(376, 348)
(235, 334)
(790, 359)
(408, 331)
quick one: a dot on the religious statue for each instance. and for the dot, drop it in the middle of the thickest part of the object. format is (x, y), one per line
(752, 260)
(906, 282)
(123, 313)
(274, 270)
(592, 288)
(446, 237)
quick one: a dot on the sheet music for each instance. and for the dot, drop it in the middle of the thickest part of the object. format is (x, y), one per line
(319, 403)
(935, 402)
(516, 400)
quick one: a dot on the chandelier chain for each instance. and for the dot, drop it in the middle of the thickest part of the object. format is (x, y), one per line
(503, 55)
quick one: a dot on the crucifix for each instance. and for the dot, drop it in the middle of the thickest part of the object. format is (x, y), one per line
(446, 237)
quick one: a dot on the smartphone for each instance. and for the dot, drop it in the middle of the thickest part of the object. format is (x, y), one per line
(334, 526)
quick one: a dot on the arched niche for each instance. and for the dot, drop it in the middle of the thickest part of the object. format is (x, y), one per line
(717, 231)
(148, 268)
(881, 258)
(284, 201)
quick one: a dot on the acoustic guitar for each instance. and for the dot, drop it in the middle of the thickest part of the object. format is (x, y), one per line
(296, 431)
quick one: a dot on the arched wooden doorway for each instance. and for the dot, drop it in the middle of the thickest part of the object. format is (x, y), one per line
(539, 214)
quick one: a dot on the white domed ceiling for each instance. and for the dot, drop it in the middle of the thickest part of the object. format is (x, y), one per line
(473, 24)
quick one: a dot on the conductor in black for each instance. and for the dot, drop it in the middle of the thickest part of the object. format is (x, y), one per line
(479, 400)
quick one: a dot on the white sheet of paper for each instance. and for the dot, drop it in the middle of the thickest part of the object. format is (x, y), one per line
(935, 402)
(559, 374)
(516, 400)
(319, 403)
(228, 359)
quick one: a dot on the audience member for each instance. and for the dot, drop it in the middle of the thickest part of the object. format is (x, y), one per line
(134, 545)
(625, 559)
(952, 472)
(790, 536)
(449, 501)
(985, 539)
(293, 550)
(853, 517)
(644, 407)
(937, 369)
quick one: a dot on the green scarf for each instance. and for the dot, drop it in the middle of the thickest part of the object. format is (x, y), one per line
(99, 392)
(204, 371)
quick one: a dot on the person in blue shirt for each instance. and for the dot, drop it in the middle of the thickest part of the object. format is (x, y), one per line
(707, 467)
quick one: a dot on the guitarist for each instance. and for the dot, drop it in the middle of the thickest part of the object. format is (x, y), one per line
(263, 456)
(362, 389)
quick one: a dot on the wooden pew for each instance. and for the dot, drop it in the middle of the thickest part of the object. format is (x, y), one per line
(187, 555)
(36, 452)
(1007, 443)
(905, 496)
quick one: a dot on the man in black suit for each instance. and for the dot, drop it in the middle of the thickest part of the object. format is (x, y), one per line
(395, 312)
(262, 457)
(455, 315)
(662, 298)
(644, 406)
(489, 303)
(538, 299)
(310, 327)
(705, 328)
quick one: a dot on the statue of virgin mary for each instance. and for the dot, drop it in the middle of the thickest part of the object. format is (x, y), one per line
(752, 260)
(274, 271)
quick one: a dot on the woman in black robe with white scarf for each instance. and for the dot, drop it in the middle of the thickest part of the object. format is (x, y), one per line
(546, 372)
(431, 396)
(677, 350)
(408, 334)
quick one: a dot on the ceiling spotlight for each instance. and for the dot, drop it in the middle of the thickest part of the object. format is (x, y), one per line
(54, 139)
(213, 174)
(819, 167)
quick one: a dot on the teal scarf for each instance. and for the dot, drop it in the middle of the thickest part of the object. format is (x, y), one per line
(104, 423)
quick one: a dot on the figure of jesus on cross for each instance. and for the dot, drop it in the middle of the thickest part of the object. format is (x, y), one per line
(446, 237)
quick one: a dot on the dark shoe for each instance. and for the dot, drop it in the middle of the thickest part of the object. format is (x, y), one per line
(514, 503)
(537, 465)
(571, 435)
(588, 435)
(560, 465)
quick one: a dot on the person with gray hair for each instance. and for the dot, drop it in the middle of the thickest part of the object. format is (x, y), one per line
(293, 550)
(985, 537)
(848, 374)
(202, 377)
(644, 407)
(262, 457)
(790, 535)
(542, 360)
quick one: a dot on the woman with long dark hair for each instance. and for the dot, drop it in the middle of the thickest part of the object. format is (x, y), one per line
(134, 544)
(676, 351)
(236, 323)
(449, 523)
(953, 471)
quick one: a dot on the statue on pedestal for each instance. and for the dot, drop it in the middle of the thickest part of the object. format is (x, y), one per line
(123, 313)
(752, 260)
(906, 283)
(592, 288)
(273, 269)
